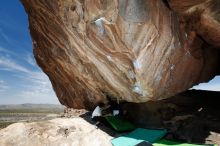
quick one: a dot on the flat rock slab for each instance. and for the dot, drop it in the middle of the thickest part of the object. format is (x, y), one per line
(56, 132)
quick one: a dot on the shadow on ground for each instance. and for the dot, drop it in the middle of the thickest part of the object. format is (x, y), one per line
(193, 117)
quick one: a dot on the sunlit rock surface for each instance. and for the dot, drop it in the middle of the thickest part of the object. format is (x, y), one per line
(56, 132)
(130, 50)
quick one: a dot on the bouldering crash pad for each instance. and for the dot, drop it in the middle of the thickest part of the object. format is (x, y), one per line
(144, 143)
(139, 135)
(119, 124)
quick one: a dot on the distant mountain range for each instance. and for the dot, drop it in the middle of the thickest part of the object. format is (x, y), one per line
(30, 106)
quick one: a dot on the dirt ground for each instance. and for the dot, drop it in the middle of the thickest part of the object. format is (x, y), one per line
(10, 114)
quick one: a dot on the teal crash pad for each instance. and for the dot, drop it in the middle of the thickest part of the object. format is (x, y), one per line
(164, 142)
(139, 135)
(119, 124)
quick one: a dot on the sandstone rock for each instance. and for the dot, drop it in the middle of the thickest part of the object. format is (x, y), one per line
(56, 132)
(203, 16)
(133, 51)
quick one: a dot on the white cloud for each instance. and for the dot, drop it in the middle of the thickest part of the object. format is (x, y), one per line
(212, 85)
(207, 86)
(4, 36)
(38, 87)
(3, 86)
(3, 49)
(11, 65)
(31, 60)
(40, 82)
(37, 84)
(8, 53)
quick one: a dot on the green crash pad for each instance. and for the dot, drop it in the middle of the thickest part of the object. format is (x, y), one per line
(119, 124)
(164, 142)
(139, 135)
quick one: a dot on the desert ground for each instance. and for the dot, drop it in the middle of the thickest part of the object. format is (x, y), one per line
(28, 113)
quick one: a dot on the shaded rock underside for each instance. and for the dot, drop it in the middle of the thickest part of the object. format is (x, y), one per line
(133, 51)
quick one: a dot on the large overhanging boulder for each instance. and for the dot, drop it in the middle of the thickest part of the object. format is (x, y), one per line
(129, 50)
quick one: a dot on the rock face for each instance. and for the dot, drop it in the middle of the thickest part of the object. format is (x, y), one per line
(56, 132)
(129, 50)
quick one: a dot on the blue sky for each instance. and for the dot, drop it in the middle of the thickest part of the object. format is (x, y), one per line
(213, 85)
(21, 80)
